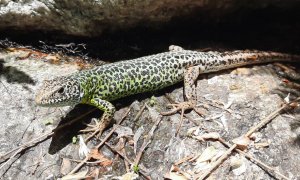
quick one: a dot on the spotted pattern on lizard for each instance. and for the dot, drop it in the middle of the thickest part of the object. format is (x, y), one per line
(101, 85)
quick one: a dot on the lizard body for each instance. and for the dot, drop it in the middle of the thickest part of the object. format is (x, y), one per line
(100, 85)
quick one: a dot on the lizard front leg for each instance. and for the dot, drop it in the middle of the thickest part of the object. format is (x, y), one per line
(108, 112)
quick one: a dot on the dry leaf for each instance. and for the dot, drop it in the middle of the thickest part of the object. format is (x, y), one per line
(262, 144)
(65, 166)
(216, 157)
(128, 176)
(193, 131)
(212, 135)
(175, 174)
(95, 154)
(207, 154)
(201, 166)
(241, 142)
(75, 176)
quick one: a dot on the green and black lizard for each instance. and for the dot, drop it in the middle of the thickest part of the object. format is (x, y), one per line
(101, 85)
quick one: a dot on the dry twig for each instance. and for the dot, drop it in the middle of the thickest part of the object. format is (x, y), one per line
(146, 142)
(21, 148)
(254, 160)
(141, 170)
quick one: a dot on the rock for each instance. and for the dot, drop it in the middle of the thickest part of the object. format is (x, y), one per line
(89, 18)
(21, 121)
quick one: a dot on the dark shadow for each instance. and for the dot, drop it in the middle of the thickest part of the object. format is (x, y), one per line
(63, 136)
(13, 75)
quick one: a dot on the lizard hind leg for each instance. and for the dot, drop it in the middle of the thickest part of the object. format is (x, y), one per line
(190, 76)
(175, 48)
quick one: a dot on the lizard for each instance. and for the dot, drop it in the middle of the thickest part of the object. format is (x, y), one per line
(102, 84)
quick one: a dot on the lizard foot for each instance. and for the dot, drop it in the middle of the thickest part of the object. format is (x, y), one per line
(183, 106)
(287, 72)
(178, 106)
(91, 128)
(98, 128)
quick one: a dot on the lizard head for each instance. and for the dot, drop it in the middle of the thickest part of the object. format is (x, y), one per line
(61, 91)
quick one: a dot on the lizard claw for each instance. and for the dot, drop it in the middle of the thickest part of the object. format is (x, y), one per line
(96, 131)
(179, 106)
(91, 128)
(98, 128)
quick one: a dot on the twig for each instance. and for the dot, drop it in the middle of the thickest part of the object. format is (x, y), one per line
(180, 161)
(216, 163)
(92, 135)
(254, 160)
(93, 162)
(249, 133)
(24, 146)
(122, 142)
(141, 171)
(267, 119)
(6, 89)
(146, 142)
(120, 153)
(181, 121)
(138, 115)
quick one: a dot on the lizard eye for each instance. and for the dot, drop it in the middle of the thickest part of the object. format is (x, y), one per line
(61, 90)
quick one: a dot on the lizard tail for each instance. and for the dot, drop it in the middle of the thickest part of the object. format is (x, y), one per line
(239, 58)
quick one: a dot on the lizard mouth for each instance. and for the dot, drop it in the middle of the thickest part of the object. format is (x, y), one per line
(41, 99)
(38, 99)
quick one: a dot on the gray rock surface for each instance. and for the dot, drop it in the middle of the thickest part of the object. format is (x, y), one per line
(253, 91)
(88, 18)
